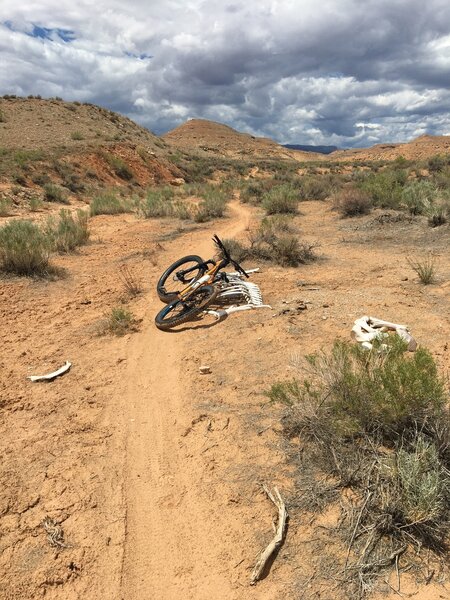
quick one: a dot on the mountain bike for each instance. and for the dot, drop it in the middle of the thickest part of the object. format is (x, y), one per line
(191, 284)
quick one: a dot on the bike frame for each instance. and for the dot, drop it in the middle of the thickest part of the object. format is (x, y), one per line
(205, 279)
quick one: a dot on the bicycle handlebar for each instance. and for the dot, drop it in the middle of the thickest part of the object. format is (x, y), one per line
(227, 256)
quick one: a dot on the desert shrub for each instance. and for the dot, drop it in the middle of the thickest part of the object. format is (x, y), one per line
(212, 205)
(437, 163)
(119, 166)
(439, 213)
(276, 241)
(281, 199)
(109, 203)
(422, 482)
(418, 196)
(5, 207)
(236, 249)
(40, 178)
(2, 117)
(181, 210)
(68, 231)
(119, 321)
(24, 248)
(382, 392)
(385, 188)
(351, 202)
(253, 192)
(371, 422)
(157, 203)
(35, 203)
(76, 135)
(23, 157)
(314, 188)
(425, 268)
(55, 193)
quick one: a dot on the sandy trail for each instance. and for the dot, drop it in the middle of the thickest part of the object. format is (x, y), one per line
(166, 535)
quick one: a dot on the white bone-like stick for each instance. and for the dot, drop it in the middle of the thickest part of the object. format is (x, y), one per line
(366, 329)
(51, 376)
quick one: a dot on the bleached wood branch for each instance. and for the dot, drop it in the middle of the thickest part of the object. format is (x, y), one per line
(51, 376)
(278, 538)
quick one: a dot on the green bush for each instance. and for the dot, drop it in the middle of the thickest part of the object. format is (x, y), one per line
(68, 232)
(24, 248)
(314, 188)
(422, 482)
(385, 188)
(281, 199)
(109, 203)
(158, 203)
(55, 193)
(119, 321)
(382, 392)
(418, 196)
(212, 206)
(5, 207)
(77, 135)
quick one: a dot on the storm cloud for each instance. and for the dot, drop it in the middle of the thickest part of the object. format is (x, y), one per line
(340, 72)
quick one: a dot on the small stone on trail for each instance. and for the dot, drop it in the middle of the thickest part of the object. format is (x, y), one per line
(204, 370)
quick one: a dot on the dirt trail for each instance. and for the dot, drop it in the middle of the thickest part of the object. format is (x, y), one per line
(166, 534)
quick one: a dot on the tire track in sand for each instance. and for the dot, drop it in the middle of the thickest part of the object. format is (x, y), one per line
(167, 544)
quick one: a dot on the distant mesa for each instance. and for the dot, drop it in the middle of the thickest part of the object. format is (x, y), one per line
(211, 138)
(308, 148)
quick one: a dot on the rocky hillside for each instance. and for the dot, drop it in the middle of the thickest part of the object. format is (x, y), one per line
(421, 148)
(80, 147)
(214, 139)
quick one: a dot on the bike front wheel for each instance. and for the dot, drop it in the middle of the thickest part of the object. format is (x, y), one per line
(175, 278)
(180, 311)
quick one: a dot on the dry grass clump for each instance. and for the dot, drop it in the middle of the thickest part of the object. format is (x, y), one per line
(119, 321)
(352, 202)
(314, 188)
(373, 428)
(24, 248)
(55, 193)
(425, 268)
(68, 231)
(5, 207)
(418, 196)
(281, 199)
(109, 203)
(132, 285)
(157, 203)
(212, 205)
(275, 240)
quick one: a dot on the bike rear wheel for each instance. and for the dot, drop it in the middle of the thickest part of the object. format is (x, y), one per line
(180, 311)
(174, 279)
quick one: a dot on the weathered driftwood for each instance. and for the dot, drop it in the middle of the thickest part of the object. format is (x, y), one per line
(51, 376)
(278, 538)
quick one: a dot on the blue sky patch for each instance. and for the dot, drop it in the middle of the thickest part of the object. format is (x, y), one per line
(139, 56)
(44, 33)
(47, 33)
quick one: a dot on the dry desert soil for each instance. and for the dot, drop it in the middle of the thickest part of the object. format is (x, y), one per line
(152, 470)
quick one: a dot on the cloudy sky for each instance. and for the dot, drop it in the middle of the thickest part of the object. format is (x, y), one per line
(338, 72)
